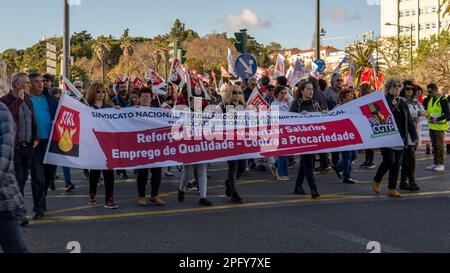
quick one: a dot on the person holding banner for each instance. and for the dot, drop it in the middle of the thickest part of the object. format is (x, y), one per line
(234, 101)
(97, 98)
(305, 104)
(416, 110)
(281, 102)
(406, 128)
(145, 99)
(365, 89)
(438, 117)
(122, 99)
(134, 97)
(345, 164)
(190, 170)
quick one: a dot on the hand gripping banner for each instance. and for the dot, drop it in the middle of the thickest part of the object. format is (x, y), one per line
(130, 138)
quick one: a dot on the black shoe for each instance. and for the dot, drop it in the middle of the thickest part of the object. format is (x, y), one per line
(364, 165)
(299, 190)
(123, 175)
(262, 168)
(252, 166)
(414, 187)
(69, 187)
(236, 198)
(204, 202)
(338, 173)
(180, 196)
(428, 151)
(315, 194)
(38, 216)
(349, 181)
(227, 189)
(24, 220)
(86, 173)
(52, 186)
(404, 186)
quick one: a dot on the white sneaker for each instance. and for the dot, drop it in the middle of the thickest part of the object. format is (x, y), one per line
(439, 168)
(283, 178)
(430, 168)
(273, 170)
(169, 173)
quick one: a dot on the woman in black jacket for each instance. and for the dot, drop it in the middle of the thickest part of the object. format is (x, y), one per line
(405, 124)
(305, 104)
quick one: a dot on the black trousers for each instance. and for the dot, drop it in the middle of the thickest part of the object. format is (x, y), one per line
(306, 170)
(324, 161)
(108, 178)
(370, 155)
(335, 158)
(236, 169)
(391, 164)
(408, 172)
(38, 182)
(142, 179)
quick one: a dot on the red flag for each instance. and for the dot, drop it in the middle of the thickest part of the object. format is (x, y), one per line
(378, 82)
(257, 100)
(137, 83)
(225, 73)
(174, 75)
(213, 74)
(366, 75)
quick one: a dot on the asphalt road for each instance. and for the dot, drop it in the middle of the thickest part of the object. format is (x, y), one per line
(271, 219)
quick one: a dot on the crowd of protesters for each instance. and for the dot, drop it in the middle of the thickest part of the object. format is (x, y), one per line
(28, 110)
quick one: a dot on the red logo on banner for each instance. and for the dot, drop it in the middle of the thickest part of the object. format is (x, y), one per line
(379, 118)
(66, 133)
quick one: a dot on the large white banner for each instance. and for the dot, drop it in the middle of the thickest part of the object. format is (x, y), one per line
(425, 133)
(129, 138)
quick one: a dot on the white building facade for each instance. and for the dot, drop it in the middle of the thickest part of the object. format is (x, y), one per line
(421, 15)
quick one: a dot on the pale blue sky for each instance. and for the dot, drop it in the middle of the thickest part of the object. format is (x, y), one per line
(288, 22)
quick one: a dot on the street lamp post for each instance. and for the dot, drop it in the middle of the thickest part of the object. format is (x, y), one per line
(318, 29)
(410, 41)
(66, 40)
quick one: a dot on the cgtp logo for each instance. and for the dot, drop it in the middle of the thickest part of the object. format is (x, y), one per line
(66, 134)
(379, 118)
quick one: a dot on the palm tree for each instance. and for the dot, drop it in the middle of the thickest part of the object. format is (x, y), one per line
(360, 54)
(128, 50)
(102, 48)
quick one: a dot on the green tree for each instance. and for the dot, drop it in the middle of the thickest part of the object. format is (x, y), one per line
(81, 45)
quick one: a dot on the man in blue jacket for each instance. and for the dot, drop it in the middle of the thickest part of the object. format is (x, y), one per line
(45, 107)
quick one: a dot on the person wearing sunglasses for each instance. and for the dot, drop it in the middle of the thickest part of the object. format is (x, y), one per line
(252, 84)
(408, 172)
(97, 97)
(234, 101)
(438, 116)
(391, 156)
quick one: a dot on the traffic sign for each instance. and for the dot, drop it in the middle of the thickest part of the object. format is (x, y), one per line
(320, 65)
(246, 66)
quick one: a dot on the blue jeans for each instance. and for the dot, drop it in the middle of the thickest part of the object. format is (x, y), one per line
(345, 165)
(282, 164)
(67, 176)
(10, 236)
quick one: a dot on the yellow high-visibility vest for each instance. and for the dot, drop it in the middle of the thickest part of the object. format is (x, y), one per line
(435, 109)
